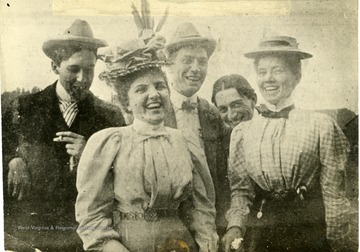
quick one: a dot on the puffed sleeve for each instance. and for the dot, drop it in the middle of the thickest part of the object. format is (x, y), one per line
(242, 192)
(334, 149)
(95, 185)
(202, 211)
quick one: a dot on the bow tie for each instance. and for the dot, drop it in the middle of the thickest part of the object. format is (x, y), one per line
(265, 112)
(188, 106)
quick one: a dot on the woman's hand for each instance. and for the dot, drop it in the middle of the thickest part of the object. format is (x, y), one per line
(229, 239)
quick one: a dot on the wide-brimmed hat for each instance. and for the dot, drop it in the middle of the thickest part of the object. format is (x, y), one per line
(186, 34)
(132, 56)
(277, 45)
(79, 33)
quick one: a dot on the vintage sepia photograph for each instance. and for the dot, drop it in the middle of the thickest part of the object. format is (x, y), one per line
(179, 125)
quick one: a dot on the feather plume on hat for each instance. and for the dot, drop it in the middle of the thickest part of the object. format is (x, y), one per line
(136, 55)
(145, 22)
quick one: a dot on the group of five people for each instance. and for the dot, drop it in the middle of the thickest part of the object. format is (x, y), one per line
(167, 178)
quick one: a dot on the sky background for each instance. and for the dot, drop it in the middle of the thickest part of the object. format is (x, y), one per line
(326, 29)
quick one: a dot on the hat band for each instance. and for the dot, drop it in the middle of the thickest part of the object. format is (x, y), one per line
(277, 43)
(191, 36)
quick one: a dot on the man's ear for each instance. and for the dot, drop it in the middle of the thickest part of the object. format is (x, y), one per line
(297, 80)
(54, 67)
(254, 98)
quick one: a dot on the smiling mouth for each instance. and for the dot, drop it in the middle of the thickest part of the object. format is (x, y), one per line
(271, 88)
(193, 78)
(154, 105)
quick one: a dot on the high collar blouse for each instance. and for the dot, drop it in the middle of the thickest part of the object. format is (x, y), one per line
(285, 153)
(138, 167)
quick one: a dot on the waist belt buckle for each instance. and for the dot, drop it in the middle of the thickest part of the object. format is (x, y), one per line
(284, 195)
(151, 215)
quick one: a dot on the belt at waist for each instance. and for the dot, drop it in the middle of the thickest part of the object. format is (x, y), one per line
(150, 215)
(283, 200)
(301, 193)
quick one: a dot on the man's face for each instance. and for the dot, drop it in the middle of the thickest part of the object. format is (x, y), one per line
(189, 70)
(77, 73)
(234, 108)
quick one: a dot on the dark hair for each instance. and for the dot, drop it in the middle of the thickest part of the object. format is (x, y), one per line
(64, 52)
(233, 81)
(292, 61)
(123, 84)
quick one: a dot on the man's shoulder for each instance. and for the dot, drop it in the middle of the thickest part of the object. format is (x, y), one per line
(110, 111)
(205, 105)
(35, 98)
(106, 106)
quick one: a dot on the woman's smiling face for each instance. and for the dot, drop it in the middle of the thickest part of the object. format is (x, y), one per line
(275, 80)
(149, 98)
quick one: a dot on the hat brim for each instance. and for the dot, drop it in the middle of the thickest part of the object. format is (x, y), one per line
(207, 43)
(67, 40)
(281, 51)
(113, 74)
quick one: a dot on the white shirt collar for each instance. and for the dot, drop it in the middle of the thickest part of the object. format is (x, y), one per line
(177, 99)
(281, 105)
(61, 93)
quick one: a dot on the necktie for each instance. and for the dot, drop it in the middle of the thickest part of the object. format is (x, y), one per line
(265, 112)
(188, 106)
(69, 111)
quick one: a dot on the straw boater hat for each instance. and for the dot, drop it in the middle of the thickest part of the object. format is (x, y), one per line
(277, 45)
(187, 35)
(79, 33)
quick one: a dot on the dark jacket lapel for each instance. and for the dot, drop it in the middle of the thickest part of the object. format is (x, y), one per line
(49, 103)
(207, 121)
(170, 118)
(86, 117)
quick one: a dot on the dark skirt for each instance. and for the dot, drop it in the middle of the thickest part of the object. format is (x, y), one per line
(289, 224)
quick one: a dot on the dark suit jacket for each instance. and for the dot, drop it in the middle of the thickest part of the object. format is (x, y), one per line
(29, 126)
(213, 133)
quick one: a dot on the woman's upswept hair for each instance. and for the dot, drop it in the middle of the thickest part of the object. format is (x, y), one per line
(123, 84)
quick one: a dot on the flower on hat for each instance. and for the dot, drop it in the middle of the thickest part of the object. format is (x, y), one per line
(135, 55)
(132, 56)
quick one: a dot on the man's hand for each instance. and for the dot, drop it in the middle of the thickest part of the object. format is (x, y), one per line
(232, 234)
(75, 142)
(18, 179)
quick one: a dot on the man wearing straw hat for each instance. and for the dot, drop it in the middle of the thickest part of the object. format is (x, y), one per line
(43, 138)
(286, 166)
(199, 120)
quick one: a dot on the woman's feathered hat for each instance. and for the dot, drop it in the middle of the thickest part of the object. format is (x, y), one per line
(138, 54)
